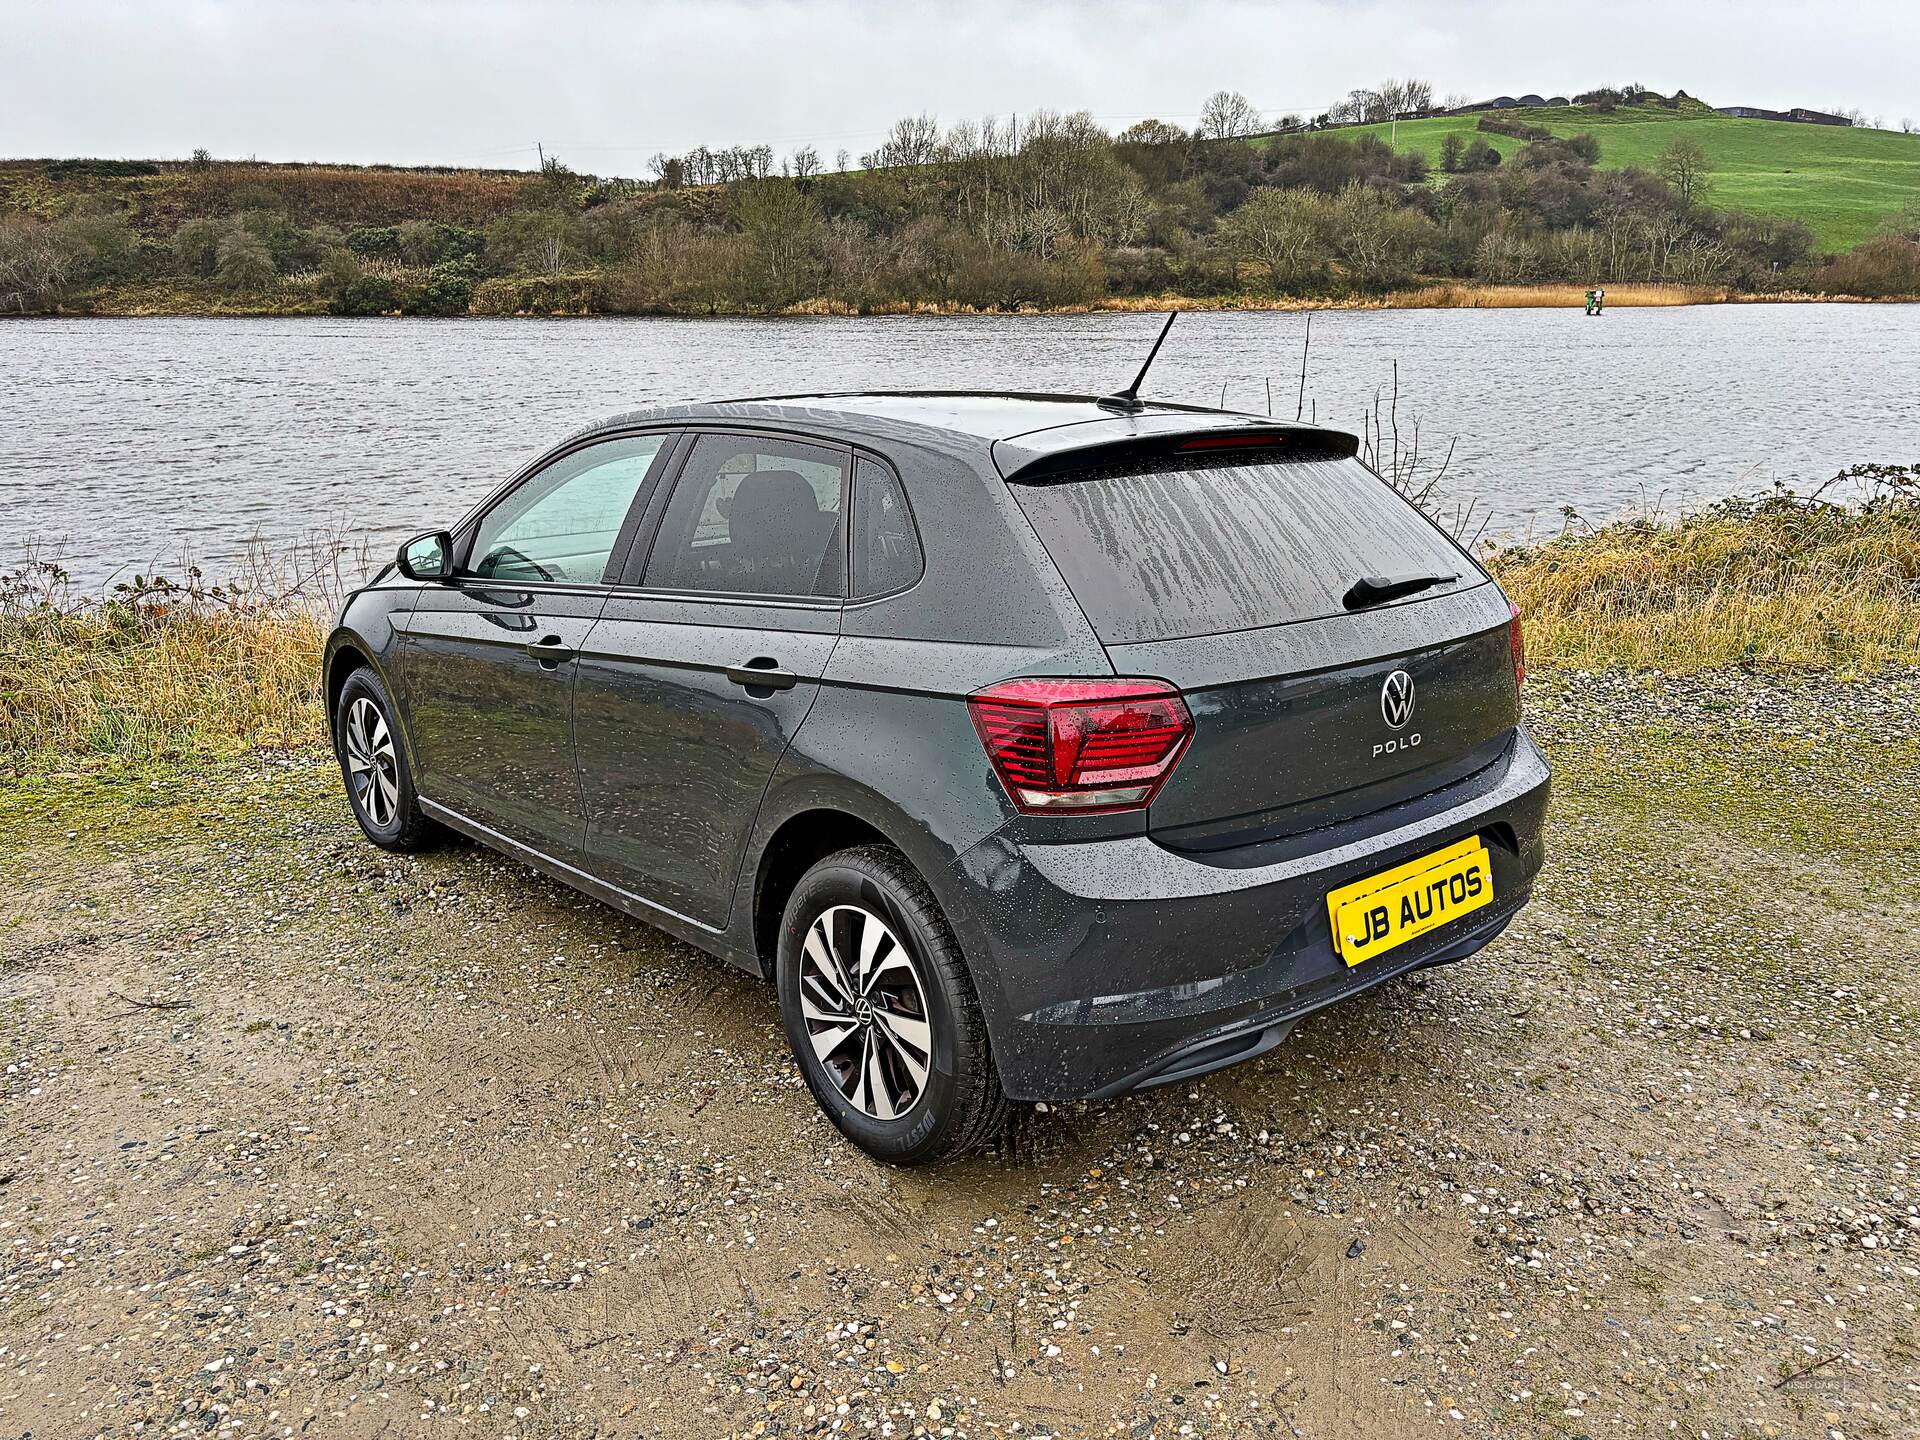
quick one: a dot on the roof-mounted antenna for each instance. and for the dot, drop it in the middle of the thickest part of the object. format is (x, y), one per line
(1128, 401)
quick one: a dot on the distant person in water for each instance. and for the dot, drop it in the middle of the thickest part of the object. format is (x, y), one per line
(1596, 299)
(1589, 302)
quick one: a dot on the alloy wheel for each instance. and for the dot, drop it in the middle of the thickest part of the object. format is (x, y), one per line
(373, 766)
(865, 1011)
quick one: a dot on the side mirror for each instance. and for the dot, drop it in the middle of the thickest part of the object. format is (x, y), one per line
(428, 557)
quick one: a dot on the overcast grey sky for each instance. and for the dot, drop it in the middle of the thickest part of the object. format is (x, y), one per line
(606, 85)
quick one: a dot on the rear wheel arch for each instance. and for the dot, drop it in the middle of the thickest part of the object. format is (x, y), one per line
(799, 843)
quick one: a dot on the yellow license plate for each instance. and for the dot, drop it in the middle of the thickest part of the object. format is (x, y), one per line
(1372, 916)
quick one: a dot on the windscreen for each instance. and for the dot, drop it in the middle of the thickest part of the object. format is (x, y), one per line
(1169, 549)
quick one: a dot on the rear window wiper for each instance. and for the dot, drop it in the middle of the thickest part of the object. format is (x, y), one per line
(1378, 589)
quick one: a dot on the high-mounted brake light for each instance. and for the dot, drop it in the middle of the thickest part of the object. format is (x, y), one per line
(1232, 442)
(1081, 745)
(1517, 642)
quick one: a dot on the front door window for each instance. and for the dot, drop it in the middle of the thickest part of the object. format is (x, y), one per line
(562, 525)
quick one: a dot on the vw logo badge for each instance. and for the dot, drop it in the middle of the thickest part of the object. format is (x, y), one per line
(1396, 699)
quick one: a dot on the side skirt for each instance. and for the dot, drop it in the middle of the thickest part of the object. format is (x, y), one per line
(681, 927)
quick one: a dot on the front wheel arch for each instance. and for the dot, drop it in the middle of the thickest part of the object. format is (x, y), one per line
(346, 657)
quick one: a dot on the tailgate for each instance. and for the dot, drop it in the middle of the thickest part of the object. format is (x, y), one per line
(1295, 725)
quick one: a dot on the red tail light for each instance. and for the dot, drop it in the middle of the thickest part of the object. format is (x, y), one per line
(1517, 642)
(1082, 745)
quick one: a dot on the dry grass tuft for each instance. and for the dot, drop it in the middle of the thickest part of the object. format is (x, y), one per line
(162, 669)
(1782, 583)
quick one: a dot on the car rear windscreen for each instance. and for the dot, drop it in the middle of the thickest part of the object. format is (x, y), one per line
(1169, 549)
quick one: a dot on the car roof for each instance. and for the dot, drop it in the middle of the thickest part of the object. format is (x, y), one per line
(986, 416)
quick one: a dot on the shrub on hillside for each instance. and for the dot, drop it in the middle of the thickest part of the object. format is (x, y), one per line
(1140, 270)
(381, 242)
(431, 242)
(1479, 156)
(1328, 163)
(1876, 270)
(242, 262)
(539, 294)
(196, 245)
(291, 247)
(988, 278)
(539, 242)
(1378, 243)
(1505, 257)
(447, 289)
(100, 243)
(34, 266)
(365, 294)
(1501, 125)
(105, 169)
(199, 244)
(1572, 151)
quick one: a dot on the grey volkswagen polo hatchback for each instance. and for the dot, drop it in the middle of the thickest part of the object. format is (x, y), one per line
(1035, 746)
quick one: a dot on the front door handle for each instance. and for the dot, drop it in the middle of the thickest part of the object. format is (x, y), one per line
(763, 672)
(549, 650)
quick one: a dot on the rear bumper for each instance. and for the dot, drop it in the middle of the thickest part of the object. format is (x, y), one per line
(1115, 964)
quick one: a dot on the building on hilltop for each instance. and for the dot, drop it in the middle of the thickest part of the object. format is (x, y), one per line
(1799, 115)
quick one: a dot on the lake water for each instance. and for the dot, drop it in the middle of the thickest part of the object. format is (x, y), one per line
(129, 443)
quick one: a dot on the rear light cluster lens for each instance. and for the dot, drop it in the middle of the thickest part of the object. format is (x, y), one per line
(1082, 745)
(1517, 642)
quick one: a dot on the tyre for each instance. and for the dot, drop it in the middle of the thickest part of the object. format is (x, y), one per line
(373, 762)
(881, 1012)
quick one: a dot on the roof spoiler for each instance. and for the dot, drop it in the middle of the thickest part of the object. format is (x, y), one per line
(1043, 455)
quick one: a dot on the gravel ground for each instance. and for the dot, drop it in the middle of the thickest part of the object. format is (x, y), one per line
(299, 1138)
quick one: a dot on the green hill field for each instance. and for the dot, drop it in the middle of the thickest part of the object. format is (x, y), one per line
(1842, 182)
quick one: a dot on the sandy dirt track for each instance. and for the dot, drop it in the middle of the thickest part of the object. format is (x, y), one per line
(434, 1147)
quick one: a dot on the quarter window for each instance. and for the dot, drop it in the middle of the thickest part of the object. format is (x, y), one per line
(561, 525)
(752, 516)
(886, 549)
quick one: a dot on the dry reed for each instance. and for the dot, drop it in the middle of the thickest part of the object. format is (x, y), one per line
(1461, 295)
(160, 669)
(1782, 583)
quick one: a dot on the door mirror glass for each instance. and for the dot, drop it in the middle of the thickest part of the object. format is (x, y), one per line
(428, 557)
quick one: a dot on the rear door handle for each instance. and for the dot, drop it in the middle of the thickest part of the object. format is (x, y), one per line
(763, 672)
(550, 650)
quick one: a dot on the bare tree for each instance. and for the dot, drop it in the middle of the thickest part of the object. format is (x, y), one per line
(1684, 165)
(1229, 115)
(806, 162)
(1407, 97)
(1285, 232)
(33, 264)
(912, 141)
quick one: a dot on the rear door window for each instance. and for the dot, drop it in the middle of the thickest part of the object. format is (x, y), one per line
(1168, 549)
(754, 516)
